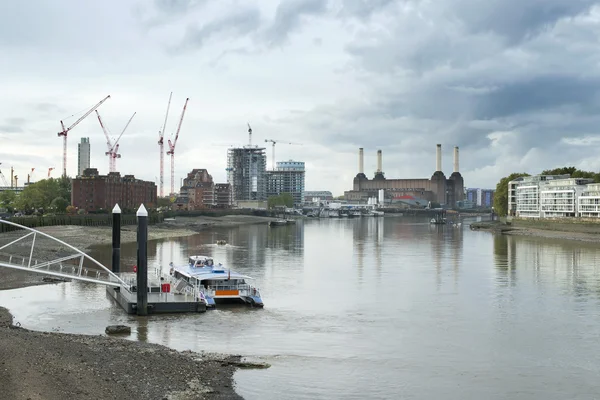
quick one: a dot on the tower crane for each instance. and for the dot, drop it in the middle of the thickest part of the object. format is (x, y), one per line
(65, 131)
(172, 145)
(274, 142)
(161, 145)
(249, 135)
(113, 148)
(3, 178)
(50, 170)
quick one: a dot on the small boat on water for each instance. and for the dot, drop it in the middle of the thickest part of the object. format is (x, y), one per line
(278, 222)
(221, 242)
(216, 283)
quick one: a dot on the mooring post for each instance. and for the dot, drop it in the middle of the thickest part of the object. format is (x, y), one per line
(142, 261)
(116, 239)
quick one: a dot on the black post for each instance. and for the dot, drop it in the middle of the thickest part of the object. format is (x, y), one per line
(116, 239)
(142, 261)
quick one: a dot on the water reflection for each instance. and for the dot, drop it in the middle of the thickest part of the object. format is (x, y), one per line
(570, 266)
(379, 308)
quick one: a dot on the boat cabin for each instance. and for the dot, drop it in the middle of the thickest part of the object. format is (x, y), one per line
(201, 270)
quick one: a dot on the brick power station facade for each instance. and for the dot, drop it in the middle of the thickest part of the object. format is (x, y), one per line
(438, 188)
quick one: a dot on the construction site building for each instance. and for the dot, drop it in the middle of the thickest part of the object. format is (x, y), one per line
(246, 173)
(287, 177)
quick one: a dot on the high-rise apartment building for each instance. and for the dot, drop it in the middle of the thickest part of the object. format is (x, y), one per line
(83, 156)
(288, 177)
(246, 173)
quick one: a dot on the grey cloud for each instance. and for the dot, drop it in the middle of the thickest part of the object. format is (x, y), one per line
(163, 12)
(177, 7)
(363, 9)
(9, 129)
(539, 93)
(516, 20)
(235, 24)
(288, 17)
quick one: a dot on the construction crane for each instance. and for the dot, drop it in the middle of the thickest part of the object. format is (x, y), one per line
(65, 131)
(161, 144)
(4, 182)
(113, 148)
(172, 145)
(274, 142)
(249, 135)
(50, 170)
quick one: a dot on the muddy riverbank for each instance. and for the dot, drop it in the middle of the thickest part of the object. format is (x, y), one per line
(548, 230)
(49, 366)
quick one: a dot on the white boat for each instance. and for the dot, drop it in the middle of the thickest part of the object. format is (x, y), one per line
(216, 283)
(278, 222)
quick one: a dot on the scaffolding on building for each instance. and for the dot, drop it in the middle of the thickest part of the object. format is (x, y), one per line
(246, 173)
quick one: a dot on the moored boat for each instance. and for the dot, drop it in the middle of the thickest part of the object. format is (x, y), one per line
(278, 222)
(216, 283)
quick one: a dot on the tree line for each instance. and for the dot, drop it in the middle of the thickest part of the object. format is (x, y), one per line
(501, 194)
(46, 196)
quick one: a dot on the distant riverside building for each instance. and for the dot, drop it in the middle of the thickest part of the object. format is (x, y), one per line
(320, 195)
(83, 155)
(552, 196)
(437, 189)
(200, 192)
(246, 173)
(287, 177)
(481, 197)
(94, 192)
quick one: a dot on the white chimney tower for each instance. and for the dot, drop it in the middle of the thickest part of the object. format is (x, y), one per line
(379, 166)
(456, 159)
(361, 161)
(438, 158)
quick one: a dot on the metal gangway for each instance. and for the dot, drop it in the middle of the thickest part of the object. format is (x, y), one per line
(70, 266)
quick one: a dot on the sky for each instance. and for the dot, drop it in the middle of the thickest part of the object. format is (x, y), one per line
(513, 83)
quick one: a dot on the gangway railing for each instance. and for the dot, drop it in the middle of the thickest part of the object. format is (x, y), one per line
(56, 267)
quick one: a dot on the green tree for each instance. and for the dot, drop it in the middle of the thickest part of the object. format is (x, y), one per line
(501, 194)
(164, 202)
(39, 195)
(574, 172)
(7, 199)
(287, 199)
(59, 205)
(284, 199)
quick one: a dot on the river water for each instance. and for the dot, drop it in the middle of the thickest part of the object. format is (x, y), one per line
(374, 308)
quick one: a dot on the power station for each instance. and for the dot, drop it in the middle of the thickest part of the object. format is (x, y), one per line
(437, 189)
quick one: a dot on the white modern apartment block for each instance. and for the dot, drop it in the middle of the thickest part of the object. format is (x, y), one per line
(552, 196)
(589, 201)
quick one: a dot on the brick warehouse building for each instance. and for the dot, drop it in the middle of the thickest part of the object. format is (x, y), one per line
(199, 192)
(94, 192)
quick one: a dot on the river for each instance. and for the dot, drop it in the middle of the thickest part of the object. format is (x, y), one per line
(376, 308)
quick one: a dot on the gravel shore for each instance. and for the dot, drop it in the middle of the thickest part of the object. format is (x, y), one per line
(58, 366)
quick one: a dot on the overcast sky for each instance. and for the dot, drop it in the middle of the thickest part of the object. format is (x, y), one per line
(514, 83)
